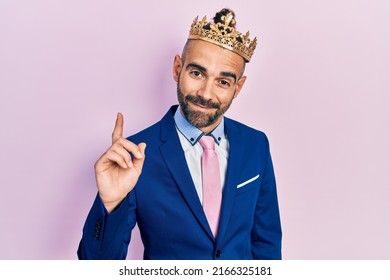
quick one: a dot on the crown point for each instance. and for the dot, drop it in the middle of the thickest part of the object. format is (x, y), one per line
(222, 32)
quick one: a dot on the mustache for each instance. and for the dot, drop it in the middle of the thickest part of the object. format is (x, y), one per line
(201, 101)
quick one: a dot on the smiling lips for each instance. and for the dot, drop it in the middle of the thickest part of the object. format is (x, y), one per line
(202, 103)
(201, 106)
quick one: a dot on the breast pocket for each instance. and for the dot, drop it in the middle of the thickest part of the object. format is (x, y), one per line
(249, 184)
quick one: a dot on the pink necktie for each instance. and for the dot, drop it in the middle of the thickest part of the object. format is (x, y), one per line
(211, 183)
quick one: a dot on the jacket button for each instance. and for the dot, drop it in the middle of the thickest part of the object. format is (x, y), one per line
(218, 253)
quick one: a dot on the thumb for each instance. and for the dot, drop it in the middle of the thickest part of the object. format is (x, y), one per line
(139, 162)
(142, 148)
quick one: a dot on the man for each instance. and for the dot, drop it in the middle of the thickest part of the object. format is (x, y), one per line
(207, 189)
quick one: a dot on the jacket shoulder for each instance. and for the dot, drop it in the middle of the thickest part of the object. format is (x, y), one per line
(244, 130)
(151, 132)
(158, 130)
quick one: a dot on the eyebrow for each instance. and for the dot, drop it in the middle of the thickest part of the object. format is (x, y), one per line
(203, 69)
(197, 66)
(229, 74)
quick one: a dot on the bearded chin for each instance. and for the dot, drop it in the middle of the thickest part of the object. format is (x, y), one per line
(197, 118)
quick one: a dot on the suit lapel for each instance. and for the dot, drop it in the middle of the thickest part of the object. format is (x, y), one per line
(174, 158)
(233, 172)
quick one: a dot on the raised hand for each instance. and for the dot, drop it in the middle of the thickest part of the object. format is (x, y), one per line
(116, 172)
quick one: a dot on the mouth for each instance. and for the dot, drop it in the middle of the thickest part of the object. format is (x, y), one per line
(203, 107)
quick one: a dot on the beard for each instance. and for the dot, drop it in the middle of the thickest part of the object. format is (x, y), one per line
(200, 119)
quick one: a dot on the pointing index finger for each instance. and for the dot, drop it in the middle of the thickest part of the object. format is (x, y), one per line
(118, 129)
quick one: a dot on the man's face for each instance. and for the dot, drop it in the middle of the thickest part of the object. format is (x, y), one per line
(208, 80)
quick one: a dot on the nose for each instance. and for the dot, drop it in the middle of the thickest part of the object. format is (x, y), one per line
(206, 91)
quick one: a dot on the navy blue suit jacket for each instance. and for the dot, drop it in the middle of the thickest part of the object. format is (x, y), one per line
(168, 211)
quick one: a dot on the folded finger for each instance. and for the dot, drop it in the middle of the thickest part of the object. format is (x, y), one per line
(120, 150)
(117, 158)
(130, 147)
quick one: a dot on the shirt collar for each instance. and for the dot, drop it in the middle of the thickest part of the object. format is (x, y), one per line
(193, 134)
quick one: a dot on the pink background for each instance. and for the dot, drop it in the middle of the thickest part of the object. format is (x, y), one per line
(318, 86)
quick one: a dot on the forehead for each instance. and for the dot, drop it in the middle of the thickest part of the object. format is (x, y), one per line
(213, 57)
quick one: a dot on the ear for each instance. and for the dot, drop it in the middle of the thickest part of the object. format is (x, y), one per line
(239, 85)
(177, 65)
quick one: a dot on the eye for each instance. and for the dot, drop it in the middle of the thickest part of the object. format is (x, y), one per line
(196, 73)
(224, 83)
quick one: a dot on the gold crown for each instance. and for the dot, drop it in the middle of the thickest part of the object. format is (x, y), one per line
(224, 34)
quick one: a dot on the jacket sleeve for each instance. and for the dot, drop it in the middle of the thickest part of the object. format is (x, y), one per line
(107, 236)
(266, 236)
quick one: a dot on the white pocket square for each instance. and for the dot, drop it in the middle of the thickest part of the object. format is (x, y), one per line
(248, 181)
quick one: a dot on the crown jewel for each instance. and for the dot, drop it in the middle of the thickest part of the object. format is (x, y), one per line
(222, 32)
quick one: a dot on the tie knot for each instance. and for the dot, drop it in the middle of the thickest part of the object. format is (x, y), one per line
(207, 142)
